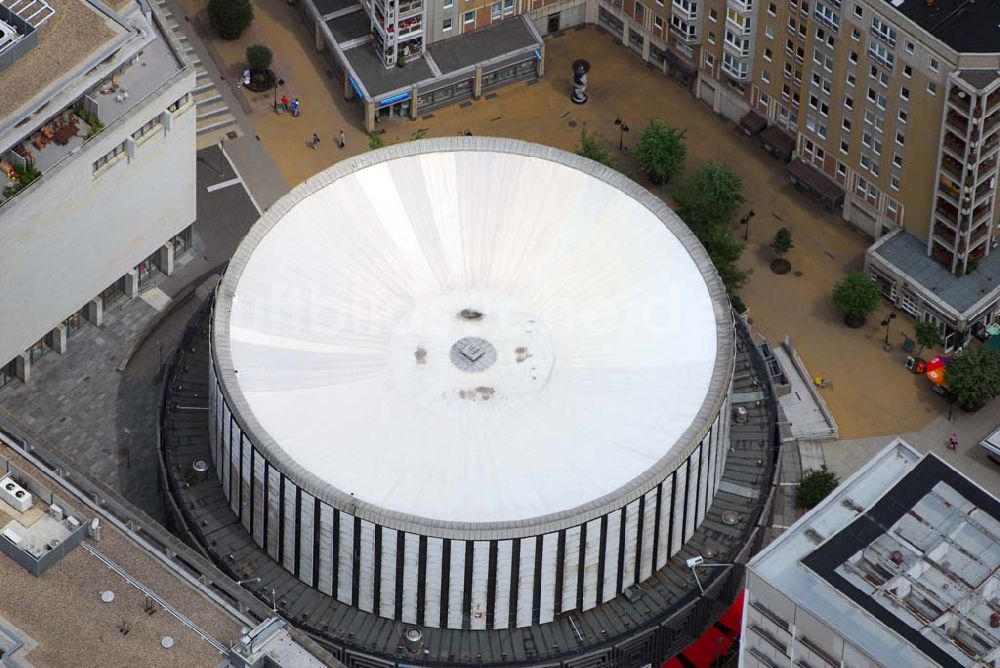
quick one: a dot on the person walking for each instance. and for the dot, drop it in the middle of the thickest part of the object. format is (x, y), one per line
(294, 106)
(315, 141)
(953, 442)
(342, 140)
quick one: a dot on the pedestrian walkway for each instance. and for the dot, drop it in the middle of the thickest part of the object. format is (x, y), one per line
(214, 119)
(846, 457)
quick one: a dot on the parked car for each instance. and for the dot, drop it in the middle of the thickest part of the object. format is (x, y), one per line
(991, 444)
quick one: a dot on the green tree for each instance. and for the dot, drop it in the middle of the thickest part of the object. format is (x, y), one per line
(782, 242)
(973, 376)
(595, 147)
(375, 140)
(725, 250)
(927, 335)
(816, 486)
(259, 58)
(660, 151)
(230, 18)
(711, 197)
(856, 296)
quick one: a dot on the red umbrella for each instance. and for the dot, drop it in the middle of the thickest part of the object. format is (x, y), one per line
(935, 369)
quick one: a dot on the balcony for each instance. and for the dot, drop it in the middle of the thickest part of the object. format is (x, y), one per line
(944, 235)
(686, 12)
(683, 36)
(993, 102)
(990, 145)
(957, 121)
(742, 6)
(986, 167)
(981, 212)
(984, 190)
(947, 210)
(954, 144)
(960, 99)
(952, 168)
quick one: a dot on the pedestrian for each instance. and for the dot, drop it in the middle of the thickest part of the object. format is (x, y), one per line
(284, 102)
(953, 442)
(315, 141)
(295, 106)
(342, 140)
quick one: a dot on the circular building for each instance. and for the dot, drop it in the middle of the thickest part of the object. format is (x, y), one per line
(470, 383)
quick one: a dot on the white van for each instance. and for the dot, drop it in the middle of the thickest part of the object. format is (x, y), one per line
(991, 444)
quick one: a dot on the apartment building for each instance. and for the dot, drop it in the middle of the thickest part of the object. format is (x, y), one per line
(897, 567)
(97, 166)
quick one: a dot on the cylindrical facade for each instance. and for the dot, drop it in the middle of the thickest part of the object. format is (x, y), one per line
(454, 565)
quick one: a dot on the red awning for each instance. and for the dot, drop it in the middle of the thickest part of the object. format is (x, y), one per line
(715, 642)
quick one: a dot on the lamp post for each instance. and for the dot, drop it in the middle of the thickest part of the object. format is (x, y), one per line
(277, 82)
(622, 129)
(886, 346)
(745, 221)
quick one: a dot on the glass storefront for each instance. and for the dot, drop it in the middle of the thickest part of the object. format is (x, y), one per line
(510, 73)
(38, 349)
(635, 41)
(182, 242)
(610, 22)
(74, 323)
(112, 293)
(8, 373)
(457, 91)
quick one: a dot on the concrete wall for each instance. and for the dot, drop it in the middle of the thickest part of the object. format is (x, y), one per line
(73, 233)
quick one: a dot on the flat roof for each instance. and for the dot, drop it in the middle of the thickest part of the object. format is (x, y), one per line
(350, 26)
(900, 559)
(77, 31)
(63, 613)
(473, 330)
(482, 45)
(909, 254)
(378, 79)
(967, 26)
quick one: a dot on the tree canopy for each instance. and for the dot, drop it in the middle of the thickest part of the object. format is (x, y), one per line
(856, 295)
(660, 150)
(596, 147)
(230, 17)
(973, 376)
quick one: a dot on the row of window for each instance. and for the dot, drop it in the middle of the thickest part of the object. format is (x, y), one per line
(146, 128)
(498, 10)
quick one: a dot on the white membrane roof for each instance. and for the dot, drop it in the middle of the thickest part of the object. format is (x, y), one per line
(593, 354)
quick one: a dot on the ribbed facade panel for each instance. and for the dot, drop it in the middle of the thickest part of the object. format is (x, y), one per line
(493, 583)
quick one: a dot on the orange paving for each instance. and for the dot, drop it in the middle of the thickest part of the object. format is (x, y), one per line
(872, 392)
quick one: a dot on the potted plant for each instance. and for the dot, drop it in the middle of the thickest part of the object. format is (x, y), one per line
(230, 18)
(259, 59)
(973, 377)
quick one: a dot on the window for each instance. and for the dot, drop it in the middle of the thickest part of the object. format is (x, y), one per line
(846, 124)
(934, 65)
(849, 102)
(932, 88)
(883, 31)
(659, 3)
(469, 18)
(713, 16)
(109, 156)
(658, 23)
(841, 168)
(866, 138)
(824, 108)
(851, 80)
(903, 115)
(640, 11)
(447, 4)
(769, 32)
(897, 160)
(495, 11)
(709, 59)
(148, 127)
(711, 37)
(446, 25)
(894, 183)
(909, 46)
(827, 86)
(844, 147)
(907, 71)
(881, 53)
(900, 139)
(813, 102)
(855, 35)
(859, 11)
(765, 77)
(828, 16)
(772, 9)
(854, 57)
(904, 93)
(767, 55)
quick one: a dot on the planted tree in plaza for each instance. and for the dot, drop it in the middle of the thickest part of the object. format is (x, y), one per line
(259, 59)
(707, 202)
(230, 18)
(926, 335)
(660, 151)
(973, 377)
(711, 197)
(856, 296)
(596, 147)
(816, 486)
(781, 244)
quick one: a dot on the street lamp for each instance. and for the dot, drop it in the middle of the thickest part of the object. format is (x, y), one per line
(745, 220)
(886, 346)
(699, 562)
(622, 129)
(277, 82)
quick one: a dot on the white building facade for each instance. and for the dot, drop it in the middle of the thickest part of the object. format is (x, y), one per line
(113, 202)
